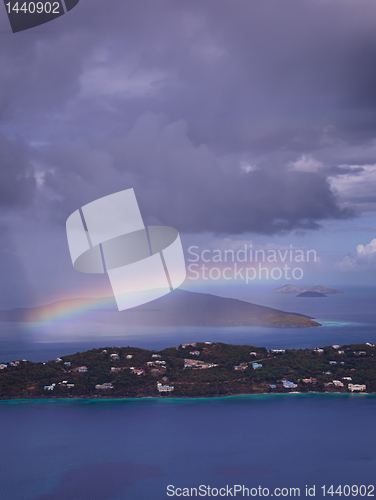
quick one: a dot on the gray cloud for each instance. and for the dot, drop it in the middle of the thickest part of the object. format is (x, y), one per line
(187, 186)
(177, 99)
(17, 181)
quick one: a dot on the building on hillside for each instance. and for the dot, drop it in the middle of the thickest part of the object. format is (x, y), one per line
(255, 366)
(194, 363)
(289, 385)
(164, 387)
(106, 385)
(356, 387)
(138, 371)
(338, 383)
(49, 387)
(82, 369)
(310, 380)
(242, 366)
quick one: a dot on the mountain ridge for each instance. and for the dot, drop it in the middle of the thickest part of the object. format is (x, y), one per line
(180, 307)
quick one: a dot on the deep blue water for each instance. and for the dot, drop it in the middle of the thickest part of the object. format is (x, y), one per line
(134, 449)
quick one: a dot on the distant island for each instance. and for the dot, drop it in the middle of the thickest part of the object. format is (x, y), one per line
(311, 294)
(194, 369)
(175, 309)
(317, 288)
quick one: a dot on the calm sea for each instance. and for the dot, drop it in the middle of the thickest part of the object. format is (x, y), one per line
(90, 450)
(135, 449)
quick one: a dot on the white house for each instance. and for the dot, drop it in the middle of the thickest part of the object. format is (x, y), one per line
(164, 388)
(49, 387)
(338, 383)
(289, 385)
(106, 385)
(356, 387)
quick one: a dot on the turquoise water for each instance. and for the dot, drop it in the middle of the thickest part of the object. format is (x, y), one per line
(134, 449)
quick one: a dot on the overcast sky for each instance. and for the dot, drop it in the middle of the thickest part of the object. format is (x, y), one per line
(230, 119)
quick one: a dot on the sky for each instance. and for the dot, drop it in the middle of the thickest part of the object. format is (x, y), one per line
(238, 123)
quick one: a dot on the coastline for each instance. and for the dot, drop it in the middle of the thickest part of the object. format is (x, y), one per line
(228, 397)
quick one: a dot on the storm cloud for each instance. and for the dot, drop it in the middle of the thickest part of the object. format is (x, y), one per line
(224, 118)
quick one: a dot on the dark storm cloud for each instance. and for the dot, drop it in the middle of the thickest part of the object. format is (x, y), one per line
(186, 186)
(17, 181)
(202, 107)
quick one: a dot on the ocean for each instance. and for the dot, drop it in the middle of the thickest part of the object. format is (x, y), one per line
(149, 448)
(97, 450)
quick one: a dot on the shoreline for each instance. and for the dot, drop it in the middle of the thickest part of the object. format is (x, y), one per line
(185, 398)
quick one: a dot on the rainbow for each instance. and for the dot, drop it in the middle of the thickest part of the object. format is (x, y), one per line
(66, 309)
